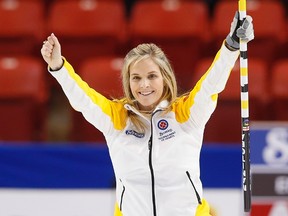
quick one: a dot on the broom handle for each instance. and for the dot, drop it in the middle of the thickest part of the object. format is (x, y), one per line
(246, 178)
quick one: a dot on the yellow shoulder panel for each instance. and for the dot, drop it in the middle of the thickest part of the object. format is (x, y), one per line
(182, 106)
(114, 109)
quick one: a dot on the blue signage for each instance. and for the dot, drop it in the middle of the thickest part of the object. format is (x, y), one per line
(269, 144)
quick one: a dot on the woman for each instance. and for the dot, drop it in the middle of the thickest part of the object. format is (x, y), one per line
(154, 137)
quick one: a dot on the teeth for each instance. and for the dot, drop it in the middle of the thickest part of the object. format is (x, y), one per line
(145, 93)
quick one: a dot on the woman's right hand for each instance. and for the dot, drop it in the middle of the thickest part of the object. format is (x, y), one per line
(51, 52)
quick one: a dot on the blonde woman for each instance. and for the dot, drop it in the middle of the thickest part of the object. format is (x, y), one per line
(154, 136)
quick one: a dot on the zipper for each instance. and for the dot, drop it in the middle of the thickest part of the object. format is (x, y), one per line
(197, 194)
(122, 195)
(150, 143)
(152, 175)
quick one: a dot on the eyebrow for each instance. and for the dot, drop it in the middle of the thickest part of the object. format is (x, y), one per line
(151, 72)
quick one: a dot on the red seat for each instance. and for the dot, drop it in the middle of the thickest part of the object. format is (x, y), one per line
(103, 75)
(178, 27)
(269, 30)
(121, 1)
(279, 90)
(168, 0)
(253, 0)
(88, 28)
(225, 123)
(22, 27)
(23, 95)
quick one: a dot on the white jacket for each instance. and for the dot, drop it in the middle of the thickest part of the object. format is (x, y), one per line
(157, 172)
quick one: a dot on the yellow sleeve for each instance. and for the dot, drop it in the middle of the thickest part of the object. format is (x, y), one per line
(117, 211)
(203, 209)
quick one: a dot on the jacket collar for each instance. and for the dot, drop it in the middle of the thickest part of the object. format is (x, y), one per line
(161, 106)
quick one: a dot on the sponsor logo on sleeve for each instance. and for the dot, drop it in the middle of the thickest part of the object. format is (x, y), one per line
(134, 133)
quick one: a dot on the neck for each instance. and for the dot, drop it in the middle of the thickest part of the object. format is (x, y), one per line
(144, 110)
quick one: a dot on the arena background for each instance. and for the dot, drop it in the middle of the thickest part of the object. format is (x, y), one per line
(52, 162)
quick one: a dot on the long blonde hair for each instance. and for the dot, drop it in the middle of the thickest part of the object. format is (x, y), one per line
(144, 51)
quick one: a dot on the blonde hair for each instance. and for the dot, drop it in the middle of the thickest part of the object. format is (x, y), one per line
(144, 51)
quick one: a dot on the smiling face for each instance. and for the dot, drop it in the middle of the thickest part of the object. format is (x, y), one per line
(146, 84)
(147, 79)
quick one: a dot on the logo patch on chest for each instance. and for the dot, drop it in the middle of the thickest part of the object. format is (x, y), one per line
(162, 124)
(134, 133)
(165, 133)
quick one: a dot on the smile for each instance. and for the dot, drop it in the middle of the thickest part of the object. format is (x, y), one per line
(146, 93)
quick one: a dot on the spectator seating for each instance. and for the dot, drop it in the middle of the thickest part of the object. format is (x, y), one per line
(99, 29)
(279, 90)
(178, 27)
(23, 97)
(88, 28)
(22, 27)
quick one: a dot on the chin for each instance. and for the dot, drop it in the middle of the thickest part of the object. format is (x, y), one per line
(146, 106)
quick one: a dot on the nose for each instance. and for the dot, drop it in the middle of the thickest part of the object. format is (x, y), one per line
(144, 83)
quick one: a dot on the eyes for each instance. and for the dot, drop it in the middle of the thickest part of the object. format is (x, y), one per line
(151, 76)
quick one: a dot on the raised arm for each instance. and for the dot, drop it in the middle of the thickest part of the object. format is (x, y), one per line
(101, 112)
(203, 98)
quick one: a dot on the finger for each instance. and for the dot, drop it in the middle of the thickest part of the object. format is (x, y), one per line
(50, 40)
(241, 33)
(249, 18)
(250, 28)
(45, 53)
(47, 45)
(247, 35)
(46, 48)
(250, 33)
(55, 40)
(247, 22)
